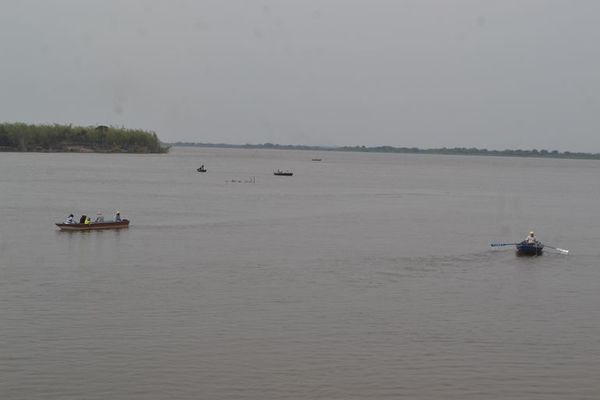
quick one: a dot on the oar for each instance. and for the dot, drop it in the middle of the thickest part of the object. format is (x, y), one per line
(503, 244)
(562, 251)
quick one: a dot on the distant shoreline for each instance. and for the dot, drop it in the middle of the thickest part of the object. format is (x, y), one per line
(458, 151)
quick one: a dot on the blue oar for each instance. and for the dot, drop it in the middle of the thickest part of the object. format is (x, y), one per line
(503, 244)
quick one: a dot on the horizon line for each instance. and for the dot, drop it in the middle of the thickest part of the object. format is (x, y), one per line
(541, 153)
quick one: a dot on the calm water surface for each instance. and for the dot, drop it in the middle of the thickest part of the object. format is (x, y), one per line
(364, 276)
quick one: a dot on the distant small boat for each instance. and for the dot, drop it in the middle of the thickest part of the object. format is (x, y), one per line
(282, 173)
(201, 169)
(525, 248)
(317, 159)
(94, 226)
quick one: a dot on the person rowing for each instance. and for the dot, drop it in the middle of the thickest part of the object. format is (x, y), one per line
(531, 239)
(531, 244)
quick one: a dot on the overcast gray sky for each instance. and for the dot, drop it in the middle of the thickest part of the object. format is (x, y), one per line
(491, 74)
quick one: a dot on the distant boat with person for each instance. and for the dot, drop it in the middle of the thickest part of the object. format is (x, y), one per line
(86, 224)
(282, 173)
(530, 246)
(201, 169)
(93, 226)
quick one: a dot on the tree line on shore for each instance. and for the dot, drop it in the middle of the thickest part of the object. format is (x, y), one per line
(410, 150)
(67, 138)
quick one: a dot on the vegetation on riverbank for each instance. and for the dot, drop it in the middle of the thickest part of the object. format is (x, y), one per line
(68, 138)
(411, 150)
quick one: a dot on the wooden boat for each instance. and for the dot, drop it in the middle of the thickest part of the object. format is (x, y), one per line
(201, 169)
(94, 226)
(525, 248)
(317, 159)
(281, 173)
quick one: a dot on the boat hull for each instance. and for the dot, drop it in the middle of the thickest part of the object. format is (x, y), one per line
(529, 249)
(94, 226)
(283, 173)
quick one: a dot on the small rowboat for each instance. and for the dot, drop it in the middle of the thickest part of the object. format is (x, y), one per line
(525, 248)
(281, 173)
(201, 169)
(94, 226)
(529, 249)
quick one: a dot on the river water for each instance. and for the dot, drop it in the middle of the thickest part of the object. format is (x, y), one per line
(363, 276)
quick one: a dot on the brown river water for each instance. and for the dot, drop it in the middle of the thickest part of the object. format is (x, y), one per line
(363, 276)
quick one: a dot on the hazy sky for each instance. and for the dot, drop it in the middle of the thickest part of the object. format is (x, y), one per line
(491, 74)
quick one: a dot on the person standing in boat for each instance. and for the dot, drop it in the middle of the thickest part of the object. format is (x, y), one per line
(118, 217)
(70, 219)
(531, 239)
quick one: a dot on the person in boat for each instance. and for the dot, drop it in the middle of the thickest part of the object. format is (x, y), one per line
(87, 220)
(70, 219)
(82, 219)
(99, 218)
(118, 217)
(531, 239)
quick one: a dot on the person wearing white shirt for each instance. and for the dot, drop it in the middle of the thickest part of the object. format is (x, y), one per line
(531, 238)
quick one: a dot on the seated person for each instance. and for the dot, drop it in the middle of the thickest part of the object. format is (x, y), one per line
(82, 219)
(70, 219)
(531, 239)
(118, 217)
